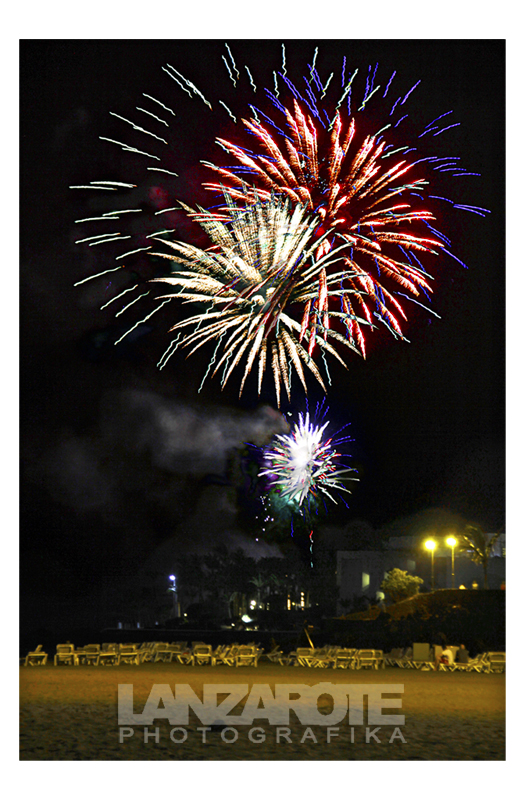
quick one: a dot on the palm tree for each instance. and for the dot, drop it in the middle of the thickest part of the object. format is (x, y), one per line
(474, 543)
(260, 583)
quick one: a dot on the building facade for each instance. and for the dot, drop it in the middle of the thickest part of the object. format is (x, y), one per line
(359, 573)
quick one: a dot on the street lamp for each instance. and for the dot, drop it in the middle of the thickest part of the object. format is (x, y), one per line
(431, 545)
(452, 542)
(173, 588)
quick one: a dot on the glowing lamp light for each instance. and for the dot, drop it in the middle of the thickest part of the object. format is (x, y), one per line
(431, 546)
(246, 618)
(172, 577)
(452, 542)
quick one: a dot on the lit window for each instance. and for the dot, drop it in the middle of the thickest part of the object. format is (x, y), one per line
(365, 580)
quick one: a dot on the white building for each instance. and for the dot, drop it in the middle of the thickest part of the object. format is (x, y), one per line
(359, 573)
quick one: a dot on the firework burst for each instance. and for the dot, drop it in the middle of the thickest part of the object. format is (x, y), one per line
(349, 182)
(326, 228)
(304, 466)
(260, 268)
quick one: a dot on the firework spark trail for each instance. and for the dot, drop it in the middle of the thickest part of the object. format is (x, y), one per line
(166, 171)
(128, 149)
(122, 310)
(154, 116)
(98, 275)
(138, 127)
(141, 320)
(117, 238)
(88, 186)
(252, 82)
(118, 296)
(159, 103)
(99, 236)
(234, 118)
(132, 252)
(172, 347)
(96, 219)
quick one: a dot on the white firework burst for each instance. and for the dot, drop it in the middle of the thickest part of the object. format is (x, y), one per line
(302, 465)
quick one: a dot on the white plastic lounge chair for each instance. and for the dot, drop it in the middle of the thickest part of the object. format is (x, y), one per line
(109, 655)
(218, 653)
(365, 659)
(36, 658)
(164, 652)
(344, 658)
(65, 654)
(129, 654)
(304, 657)
(247, 656)
(202, 654)
(276, 656)
(89, 655)
(495, 662)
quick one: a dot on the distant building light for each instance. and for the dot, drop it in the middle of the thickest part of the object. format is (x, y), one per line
(462, 587)
(365, 580)
(246, 618)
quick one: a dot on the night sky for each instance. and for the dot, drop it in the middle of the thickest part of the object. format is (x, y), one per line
(119, 459)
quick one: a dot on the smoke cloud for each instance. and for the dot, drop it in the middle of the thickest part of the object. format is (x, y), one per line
(147, 466)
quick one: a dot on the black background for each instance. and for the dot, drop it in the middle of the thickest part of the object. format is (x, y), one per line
(100, 490)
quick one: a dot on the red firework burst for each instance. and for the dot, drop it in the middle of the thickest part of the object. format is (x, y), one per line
(361, 200)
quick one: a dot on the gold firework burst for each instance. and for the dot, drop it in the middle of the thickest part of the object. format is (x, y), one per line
(266, 288)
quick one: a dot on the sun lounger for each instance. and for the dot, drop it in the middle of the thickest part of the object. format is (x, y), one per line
(65, 654)
(109, 655)
(495, 662)
(36, 658)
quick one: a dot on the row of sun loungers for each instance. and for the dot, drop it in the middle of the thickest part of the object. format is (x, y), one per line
(236, 655)
(179, 652)
(336, 658)
(484, 662)
(203, 654)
